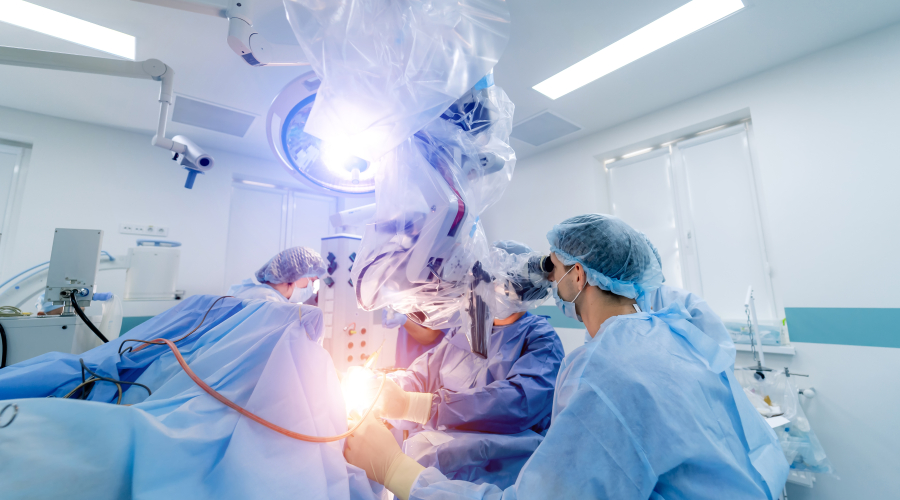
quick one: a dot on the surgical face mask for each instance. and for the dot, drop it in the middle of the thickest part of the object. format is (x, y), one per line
(567, 307)
(301, 295)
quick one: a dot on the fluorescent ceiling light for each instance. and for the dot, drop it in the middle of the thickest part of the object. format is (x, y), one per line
(260, 184)
(59, 25)
(637, 153)
(679, 23)
(720, 127)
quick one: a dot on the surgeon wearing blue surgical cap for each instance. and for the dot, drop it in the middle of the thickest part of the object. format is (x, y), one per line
(289, 276)
(649, 408)
(491, 413)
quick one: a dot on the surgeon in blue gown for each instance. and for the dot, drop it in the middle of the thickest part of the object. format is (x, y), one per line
(289, 276)
(480, 419)
(413, 340)
(701, 315)
(649, 408)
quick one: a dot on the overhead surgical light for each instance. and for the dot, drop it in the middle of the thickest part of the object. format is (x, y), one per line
(59, 25)
(677, 24)
(319, 164)
(335, 156)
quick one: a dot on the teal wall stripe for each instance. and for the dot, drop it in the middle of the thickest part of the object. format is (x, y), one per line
(129, 322)
(871, 327)
(557, 318)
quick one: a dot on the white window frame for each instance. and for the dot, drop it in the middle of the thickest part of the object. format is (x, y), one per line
(690, 263)
(288, 196)
(9, 224)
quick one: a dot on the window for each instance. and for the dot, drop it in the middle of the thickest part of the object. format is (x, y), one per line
(696, 199)
(13, 162)
(266, 219)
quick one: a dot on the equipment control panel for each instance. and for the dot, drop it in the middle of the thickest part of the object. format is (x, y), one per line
(352, 335)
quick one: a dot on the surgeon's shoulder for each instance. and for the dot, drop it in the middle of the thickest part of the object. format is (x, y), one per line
(629, 343)
(538, 324)
(538, 328)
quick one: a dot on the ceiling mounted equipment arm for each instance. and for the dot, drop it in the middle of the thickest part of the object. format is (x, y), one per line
(193, 158)
(243, 38)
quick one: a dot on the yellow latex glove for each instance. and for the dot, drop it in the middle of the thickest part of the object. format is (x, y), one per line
(397, 404)
(373, 448)
(393, 402)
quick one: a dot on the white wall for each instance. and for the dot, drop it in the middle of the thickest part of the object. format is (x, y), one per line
(825, 127)
(89, 176)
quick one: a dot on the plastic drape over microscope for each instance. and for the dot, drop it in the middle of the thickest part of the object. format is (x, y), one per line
(408, 86)
(388, 67)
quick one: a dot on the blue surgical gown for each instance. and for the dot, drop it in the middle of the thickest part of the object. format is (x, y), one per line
(251, 289)
(492, 412)
(180, 442)
(409, 349)
(702, 316)
(648, 409)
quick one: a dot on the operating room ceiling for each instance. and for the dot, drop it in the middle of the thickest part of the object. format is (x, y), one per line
(547, 36)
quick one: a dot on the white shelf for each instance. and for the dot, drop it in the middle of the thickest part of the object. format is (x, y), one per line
(769, 349)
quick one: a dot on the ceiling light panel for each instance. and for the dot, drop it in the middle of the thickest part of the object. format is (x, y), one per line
(679, 23)
(56, 24)
(543, 128)
(211, 116)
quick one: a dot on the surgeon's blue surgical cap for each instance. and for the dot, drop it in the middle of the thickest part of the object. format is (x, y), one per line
(615, 256)
(291, 265)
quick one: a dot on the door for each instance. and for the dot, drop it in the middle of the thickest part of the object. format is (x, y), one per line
(309, 219)
(255, 227)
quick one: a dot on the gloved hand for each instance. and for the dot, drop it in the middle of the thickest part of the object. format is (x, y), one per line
(393, 401)
(389, 321)
(373, 449)
(312, 322)
(397, 404)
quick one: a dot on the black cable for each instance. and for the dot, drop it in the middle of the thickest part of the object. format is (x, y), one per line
(87, 386)
(72, 296)
(107, 379)
(3, 341)
(362, 275)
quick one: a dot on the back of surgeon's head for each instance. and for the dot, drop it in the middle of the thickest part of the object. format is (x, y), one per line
(291, 265)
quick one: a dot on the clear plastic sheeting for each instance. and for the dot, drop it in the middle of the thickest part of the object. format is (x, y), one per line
(775, 395)
(180, 442)
(519, 283)
(389, 67)
(425, 253)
